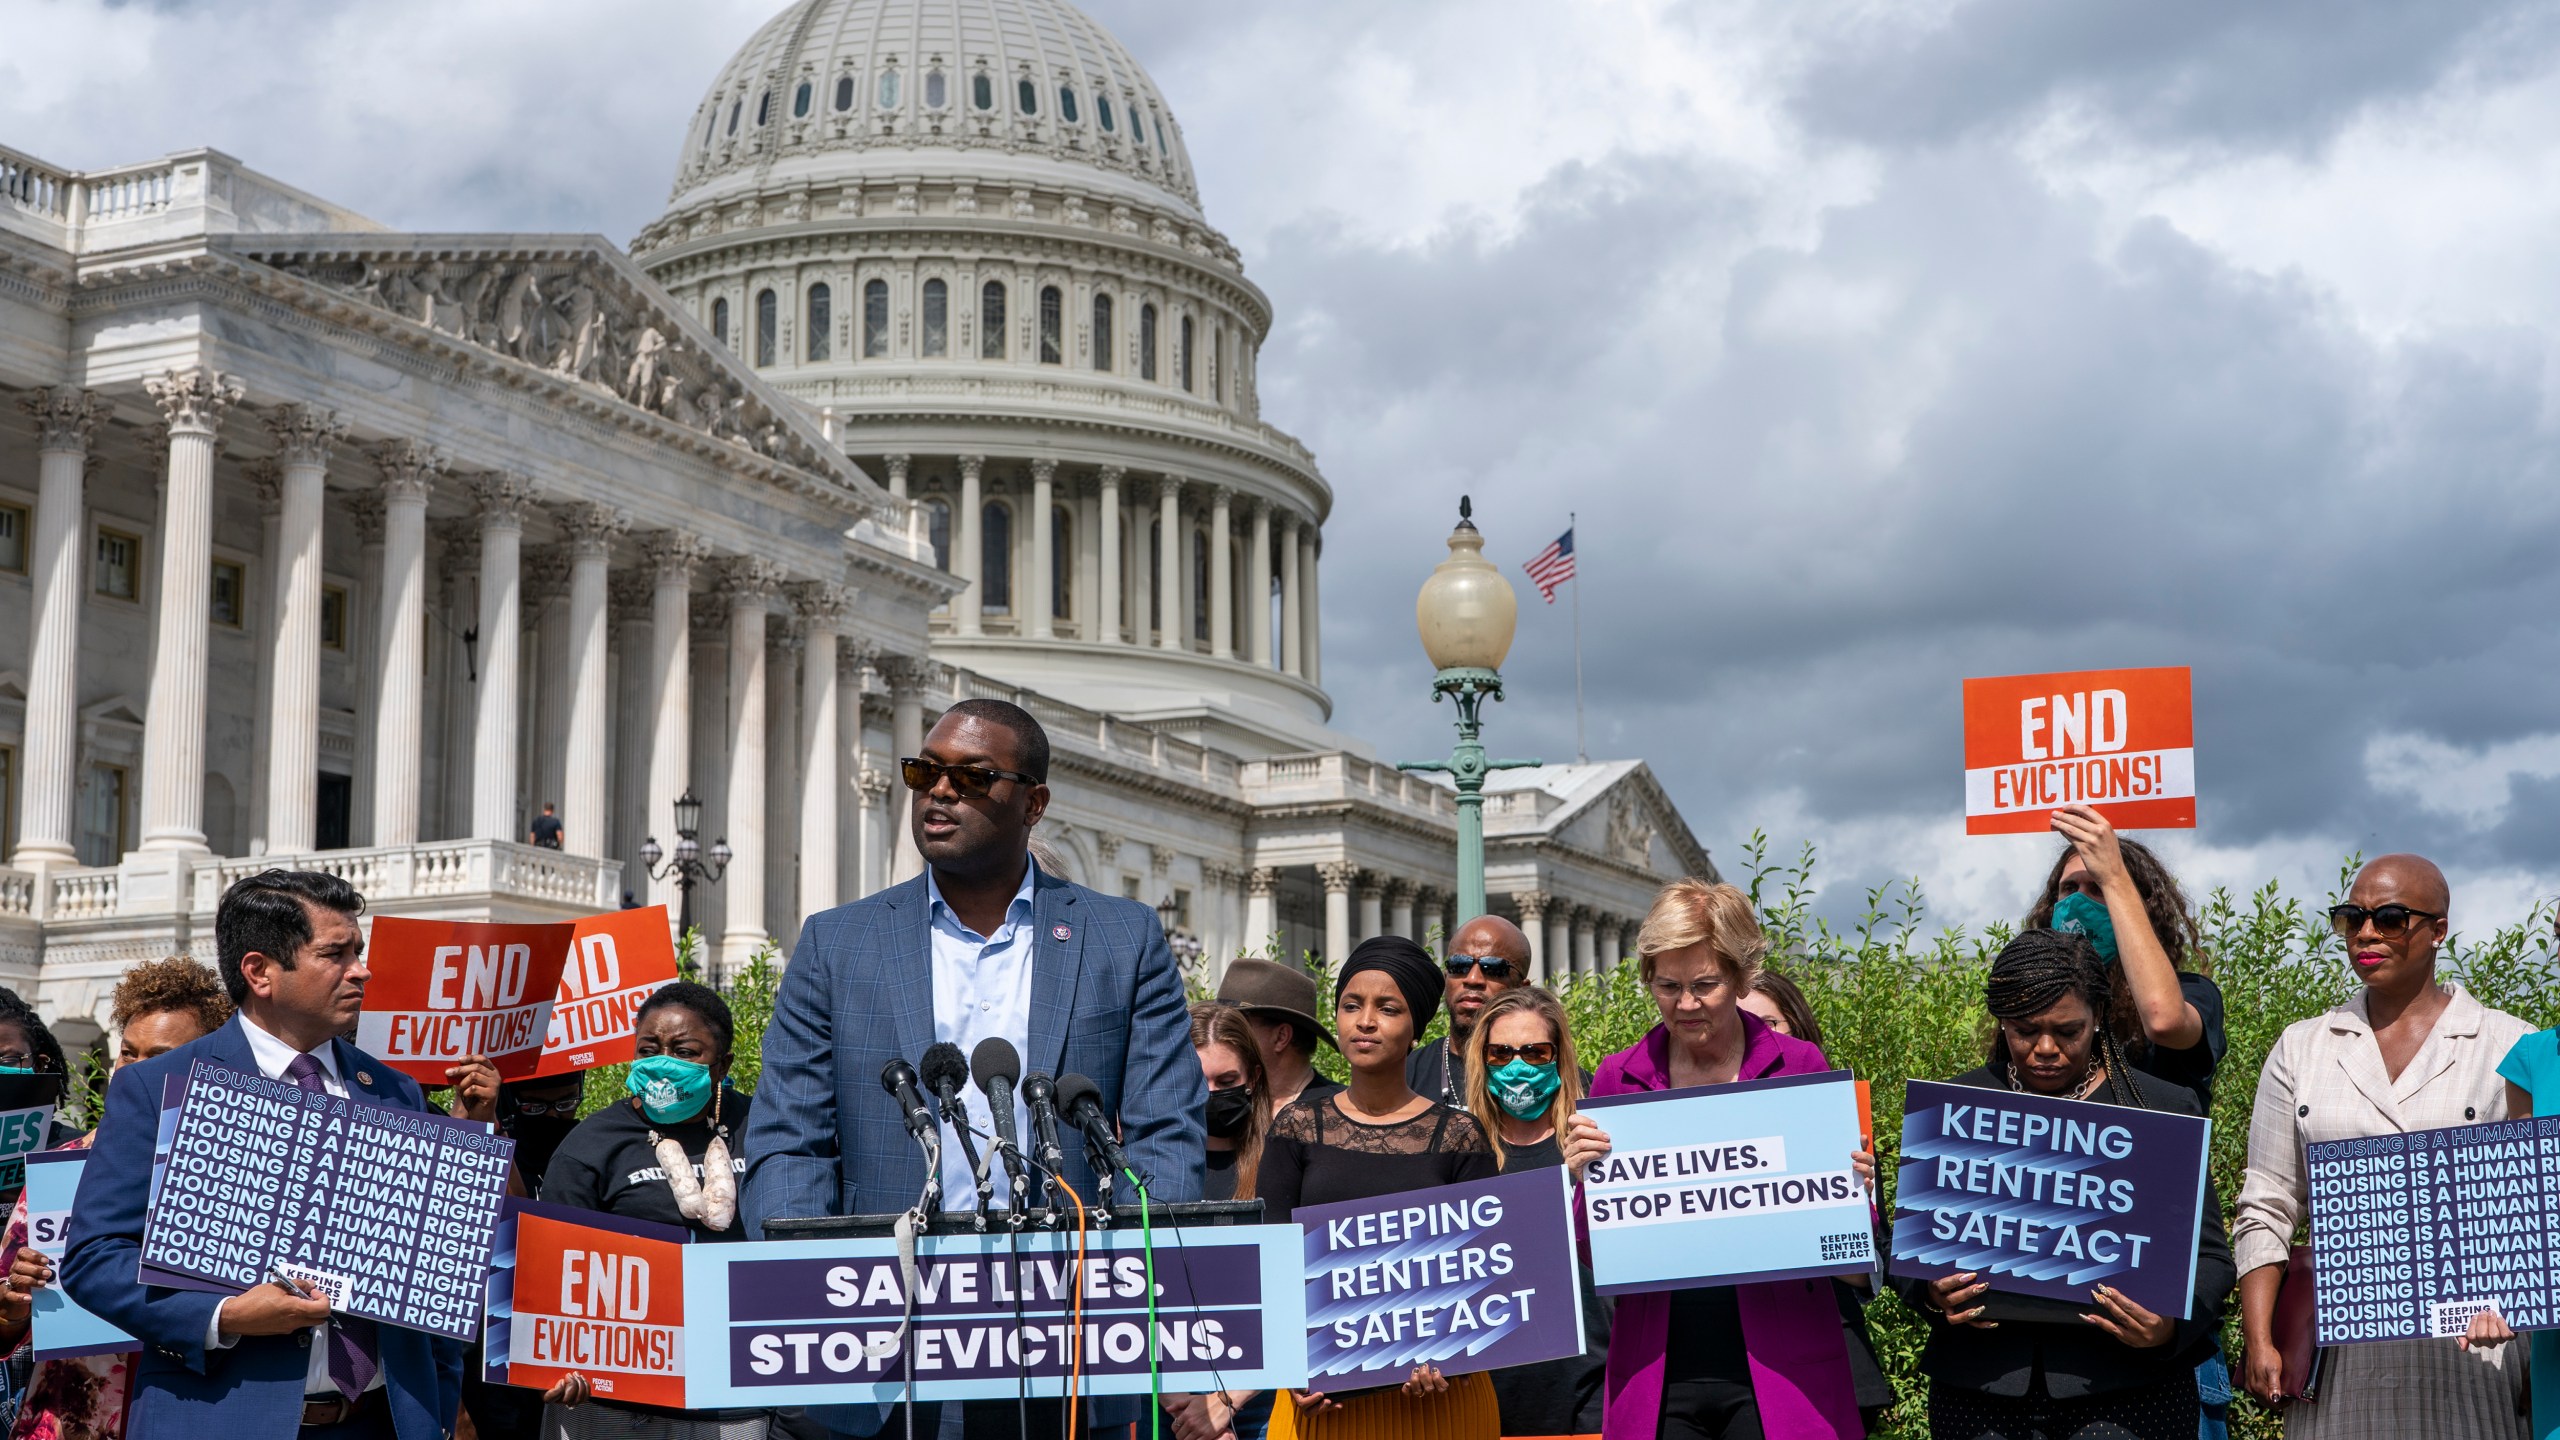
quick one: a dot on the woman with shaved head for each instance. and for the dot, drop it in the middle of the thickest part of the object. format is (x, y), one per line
(2406, 1052)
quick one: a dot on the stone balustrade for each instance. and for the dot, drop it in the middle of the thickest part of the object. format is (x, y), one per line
(439, 870)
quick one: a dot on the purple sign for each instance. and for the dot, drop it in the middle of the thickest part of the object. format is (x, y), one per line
(1462, 1277)
(390, 1213)
(2049, 1197)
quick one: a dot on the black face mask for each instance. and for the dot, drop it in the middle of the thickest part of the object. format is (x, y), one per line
(536, 1137)
(1230, 1111)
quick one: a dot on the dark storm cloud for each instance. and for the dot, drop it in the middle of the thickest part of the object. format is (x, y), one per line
(2281, 73)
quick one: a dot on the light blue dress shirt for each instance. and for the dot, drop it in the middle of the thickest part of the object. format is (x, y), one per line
(981, 987)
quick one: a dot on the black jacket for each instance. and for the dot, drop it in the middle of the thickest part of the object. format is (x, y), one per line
(2078, 1358)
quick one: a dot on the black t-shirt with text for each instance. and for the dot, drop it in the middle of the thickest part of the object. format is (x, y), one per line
(608, 1165)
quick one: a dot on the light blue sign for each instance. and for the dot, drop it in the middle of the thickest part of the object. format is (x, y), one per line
(1728, 1184)
(62, 1328)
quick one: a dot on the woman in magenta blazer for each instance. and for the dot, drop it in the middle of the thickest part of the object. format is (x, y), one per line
(1721, 1362)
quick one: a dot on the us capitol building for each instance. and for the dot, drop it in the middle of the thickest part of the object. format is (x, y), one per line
(330, 545)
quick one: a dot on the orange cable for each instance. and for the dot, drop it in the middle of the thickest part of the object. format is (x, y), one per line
(1075, 1311)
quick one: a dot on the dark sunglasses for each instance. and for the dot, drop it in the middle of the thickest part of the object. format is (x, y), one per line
(1538, 1054)
(969, 781)
(2388, 920)
(1493, 966)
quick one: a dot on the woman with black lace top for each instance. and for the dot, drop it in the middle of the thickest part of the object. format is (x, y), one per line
(1379, 1138)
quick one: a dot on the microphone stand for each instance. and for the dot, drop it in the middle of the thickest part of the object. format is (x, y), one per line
(957, 1113)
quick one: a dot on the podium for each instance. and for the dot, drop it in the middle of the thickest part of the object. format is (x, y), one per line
(1186, 1214)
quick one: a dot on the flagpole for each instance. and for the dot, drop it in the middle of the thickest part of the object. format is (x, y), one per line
(1573, 526)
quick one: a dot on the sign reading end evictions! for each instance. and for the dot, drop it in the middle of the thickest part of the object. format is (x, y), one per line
(2122, 741)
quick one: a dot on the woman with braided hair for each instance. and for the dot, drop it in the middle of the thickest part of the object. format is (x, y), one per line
(2048, 1370)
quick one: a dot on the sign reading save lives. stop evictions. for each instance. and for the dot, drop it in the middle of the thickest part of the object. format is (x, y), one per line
(1733, 1183)
(2120, 740)
(535, 999)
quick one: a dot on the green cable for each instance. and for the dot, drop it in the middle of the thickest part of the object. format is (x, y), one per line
(1147, 1242)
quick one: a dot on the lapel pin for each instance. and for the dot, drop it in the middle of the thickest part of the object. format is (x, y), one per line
(364, 1077)
(1060, 932)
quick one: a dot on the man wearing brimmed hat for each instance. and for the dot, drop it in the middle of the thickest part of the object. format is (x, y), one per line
(1279, 1003)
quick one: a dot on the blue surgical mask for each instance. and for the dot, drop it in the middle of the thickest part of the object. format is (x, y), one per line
(2077, 912)
(1523, 1089)
(669, 1089)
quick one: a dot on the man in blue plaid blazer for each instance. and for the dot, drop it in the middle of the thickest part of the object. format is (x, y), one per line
(1102, 998)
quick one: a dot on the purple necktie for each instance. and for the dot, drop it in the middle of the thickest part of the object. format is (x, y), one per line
(350, 1339)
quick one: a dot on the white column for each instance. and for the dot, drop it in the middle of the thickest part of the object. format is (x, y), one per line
(408, 477)
(1338, 877)
(1586, 960)
(192, 402)
(1222, 573)
(853, 670)
(266, 482)
(1143, 596)
(782, 653)
(583, 810)
(671, 557)
(1611, 929)
(1036, 608)
(822, 611)
(1260, 884)
(748, 584)
(304, 437)
(66, 419)
(1082, 592)
(503, 500)
(1373, 891)
(1400, 895)
(631, 598)
(1533, 908)
(1257, 585)
(875, 829)
(1293, 624)
(1107, 612)
(1311, 651)
(1559, 951)
(364, 631)
(968, 550)
(1169, 564)
(908, 678)
(545, 588)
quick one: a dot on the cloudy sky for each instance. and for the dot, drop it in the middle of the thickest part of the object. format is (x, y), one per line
(1876, 344)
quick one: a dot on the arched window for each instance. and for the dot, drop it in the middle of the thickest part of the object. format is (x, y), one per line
(764, 108)
(736, 107)
(1052, 323)
(937, 529)
(875, 319)
(889, 89)
(937, 90)
(1102, 332)
(1200, 585)
(720, 320)
(1067, 103)
(800, 101)
(1218, 362)
(711, 129)
(1155, 569)
(821, 319)
(1062, 552)
(1147, 342)
(1102, 111)
(844, 92)
(995, 559)
(937, 318)
(766, 308)
(1182, 354)
(982, 90)
(1026, 97)
(991, 340)
(1138, 126)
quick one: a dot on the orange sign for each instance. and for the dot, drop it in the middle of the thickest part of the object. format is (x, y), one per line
(616, 960)
(2122, 741)
(445, 989)
(603, 1303)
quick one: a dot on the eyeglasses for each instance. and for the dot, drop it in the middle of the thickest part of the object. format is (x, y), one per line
(1493, 966)
(565, 1109)
(25, 1060)
(969, 781)
(2389, 921)
(1538, 1054)
(1669, 991)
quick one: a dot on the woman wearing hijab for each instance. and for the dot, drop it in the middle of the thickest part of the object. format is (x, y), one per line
(2116, 1371)
(670, 1155)
(1378, 1137)
(1717, 1362)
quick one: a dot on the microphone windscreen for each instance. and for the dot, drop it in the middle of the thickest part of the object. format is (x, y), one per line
(944, 1068)
(1073, 1091)
(1037, 1087)
(897, 1072)
(995, 1059)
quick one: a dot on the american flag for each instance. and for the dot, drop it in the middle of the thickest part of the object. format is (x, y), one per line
(1552, 566)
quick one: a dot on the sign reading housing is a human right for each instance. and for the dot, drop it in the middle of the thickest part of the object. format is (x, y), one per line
(2412, 1235)
(2122, 741)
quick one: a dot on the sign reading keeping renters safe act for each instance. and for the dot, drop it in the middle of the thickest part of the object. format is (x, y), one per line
(2122, 741)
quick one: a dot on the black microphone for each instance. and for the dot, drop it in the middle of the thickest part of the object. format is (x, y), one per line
(946, 1074)
(1041, 1094)
(899, 1079)
(997, 1065)
(1080, 1101)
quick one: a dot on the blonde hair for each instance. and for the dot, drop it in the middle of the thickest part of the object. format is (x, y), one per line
(1691, 911)
(1216, 1024)
(1480, 1104)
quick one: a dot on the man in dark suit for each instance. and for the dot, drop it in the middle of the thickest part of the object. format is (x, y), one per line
(266, 1362)
(983, 943)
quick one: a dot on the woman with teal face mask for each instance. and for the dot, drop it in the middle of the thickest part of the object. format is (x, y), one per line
(667, 1149)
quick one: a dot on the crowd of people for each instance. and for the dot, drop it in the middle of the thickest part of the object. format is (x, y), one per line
(2101, 997)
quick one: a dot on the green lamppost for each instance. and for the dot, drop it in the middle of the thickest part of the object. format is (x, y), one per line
(1466, 613)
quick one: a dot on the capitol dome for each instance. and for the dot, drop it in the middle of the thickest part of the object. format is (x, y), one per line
(966, 234)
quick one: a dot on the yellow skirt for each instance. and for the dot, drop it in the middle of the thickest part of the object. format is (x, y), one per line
(1465, 1411)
